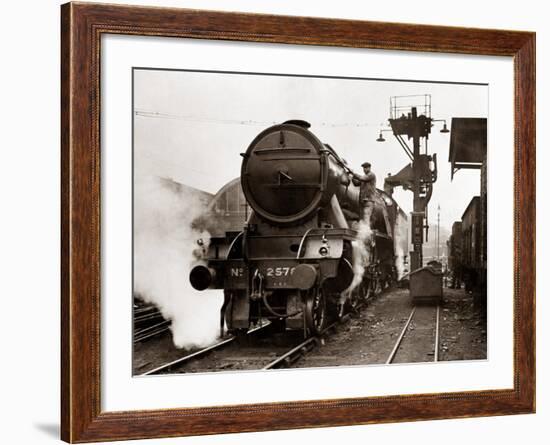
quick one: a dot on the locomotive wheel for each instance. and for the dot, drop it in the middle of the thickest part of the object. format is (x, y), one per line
(316, 311)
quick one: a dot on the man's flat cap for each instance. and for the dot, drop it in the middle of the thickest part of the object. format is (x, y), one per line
(365, 164)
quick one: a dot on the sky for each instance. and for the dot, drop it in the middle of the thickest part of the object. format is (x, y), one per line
(192, 126)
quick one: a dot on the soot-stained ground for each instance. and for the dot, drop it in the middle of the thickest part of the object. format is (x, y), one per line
(369, 338)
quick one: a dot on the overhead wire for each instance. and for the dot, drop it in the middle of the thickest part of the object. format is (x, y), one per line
(161, 115)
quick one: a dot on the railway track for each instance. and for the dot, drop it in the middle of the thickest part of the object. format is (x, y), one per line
(232, 354)
(417, 329)
(151, 331)
(295, 353)
(248, 357)
(182, 361)
(148, 322)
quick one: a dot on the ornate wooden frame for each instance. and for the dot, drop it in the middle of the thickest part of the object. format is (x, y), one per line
(81, 28)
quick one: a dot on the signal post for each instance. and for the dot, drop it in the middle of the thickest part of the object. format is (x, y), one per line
(418, 176)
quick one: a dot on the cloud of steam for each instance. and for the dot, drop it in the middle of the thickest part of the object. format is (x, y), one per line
(163, 251)
(361, 251)
(401, 244)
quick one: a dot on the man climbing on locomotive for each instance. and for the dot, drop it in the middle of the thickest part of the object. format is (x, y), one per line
(367, 188)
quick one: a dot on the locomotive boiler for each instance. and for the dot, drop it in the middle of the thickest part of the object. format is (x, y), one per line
(304, 253)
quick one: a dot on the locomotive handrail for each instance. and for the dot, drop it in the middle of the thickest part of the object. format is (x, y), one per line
(278, 150)
(233, 243)
(302, 242)
(338, 159)
(308, 231)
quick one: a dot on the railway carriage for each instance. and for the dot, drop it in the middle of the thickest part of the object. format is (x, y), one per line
(473, 265)
(467, 250)
(454, 255)
(468, 150)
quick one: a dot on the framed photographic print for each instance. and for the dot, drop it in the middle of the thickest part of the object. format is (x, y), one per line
(275, 222)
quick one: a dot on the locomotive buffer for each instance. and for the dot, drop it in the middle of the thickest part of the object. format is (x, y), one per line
(426, 283)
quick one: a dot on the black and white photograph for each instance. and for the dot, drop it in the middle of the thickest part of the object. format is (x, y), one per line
(287, 221)
(277, 222)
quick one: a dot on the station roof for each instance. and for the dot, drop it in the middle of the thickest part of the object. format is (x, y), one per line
(468, 146)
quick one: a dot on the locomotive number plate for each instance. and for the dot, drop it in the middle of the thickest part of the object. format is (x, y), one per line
(277, 275)
(279, 271)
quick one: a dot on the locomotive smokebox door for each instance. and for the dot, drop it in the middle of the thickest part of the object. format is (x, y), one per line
(426, 285)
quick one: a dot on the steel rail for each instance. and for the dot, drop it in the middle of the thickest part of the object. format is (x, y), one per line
(189, 357)
(297, 351)
(151, 331)
(154, 333)
(147, 317)
(199, 353)
(286, 357)
(152, 327)
(397, 344)
(400, 338)
(141, 310)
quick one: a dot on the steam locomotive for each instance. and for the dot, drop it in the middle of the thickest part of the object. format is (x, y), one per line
(304, 254)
